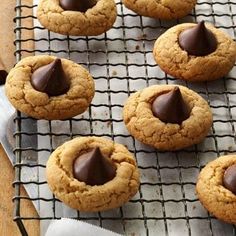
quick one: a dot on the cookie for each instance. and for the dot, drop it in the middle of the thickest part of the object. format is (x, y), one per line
(166, 10)
(195, 52)
(92, 174)
(216, 188)
(45, 87)
(167, 117)
(77, 17)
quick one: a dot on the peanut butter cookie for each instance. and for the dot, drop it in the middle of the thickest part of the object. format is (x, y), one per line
(92, 174)
(216, 188)
(45, 87)
(77, 17)
(167, 117)
(162, 9)
(195, 52)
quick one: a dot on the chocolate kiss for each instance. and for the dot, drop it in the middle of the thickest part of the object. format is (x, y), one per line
(77, 5)
(229, 179)
(170, 107)
(3, 76)
(93, 168)
(50, 79)
(198, 40)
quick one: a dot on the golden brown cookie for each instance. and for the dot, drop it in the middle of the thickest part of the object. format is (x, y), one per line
(86, 197)
(179, 63)
(211, 190)
(94, 21)
(139, 118)
(161, 9)
(25, 98)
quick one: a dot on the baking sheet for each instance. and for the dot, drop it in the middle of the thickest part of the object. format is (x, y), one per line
(121, 62)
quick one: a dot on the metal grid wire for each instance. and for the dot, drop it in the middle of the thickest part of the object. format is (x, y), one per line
(121, 62)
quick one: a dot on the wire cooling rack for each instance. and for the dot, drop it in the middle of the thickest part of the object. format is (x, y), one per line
(121, 62)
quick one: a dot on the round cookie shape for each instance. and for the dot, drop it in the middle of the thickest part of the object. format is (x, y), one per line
(212, 193)
(144, 126)
(84, 197)
(177, 62)
(94, 21)
(162, 9)
(25, 98)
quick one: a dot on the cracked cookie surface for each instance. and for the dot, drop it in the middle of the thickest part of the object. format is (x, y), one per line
(39, 105)
(144, 126)
(175, 61)
(94, 21)
(79, 195)
(161, 9)
(211, 192)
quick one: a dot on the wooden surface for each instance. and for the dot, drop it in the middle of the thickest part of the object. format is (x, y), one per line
(7, 226)
(7, 35)
(7, 48)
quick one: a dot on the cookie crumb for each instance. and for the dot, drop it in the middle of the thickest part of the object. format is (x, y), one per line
(108, 124)
(137, 47)
(142, 37)
(194, 207)
(230, 149)
(114, 72)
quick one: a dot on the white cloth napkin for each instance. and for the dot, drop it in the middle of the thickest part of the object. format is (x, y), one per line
(69, 227)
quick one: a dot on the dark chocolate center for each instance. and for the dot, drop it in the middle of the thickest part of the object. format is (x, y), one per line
(77, 5)
(50, 79)
(3, 76)
(229, 179)
(198, 40)
(170, 107)
(93, 168)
